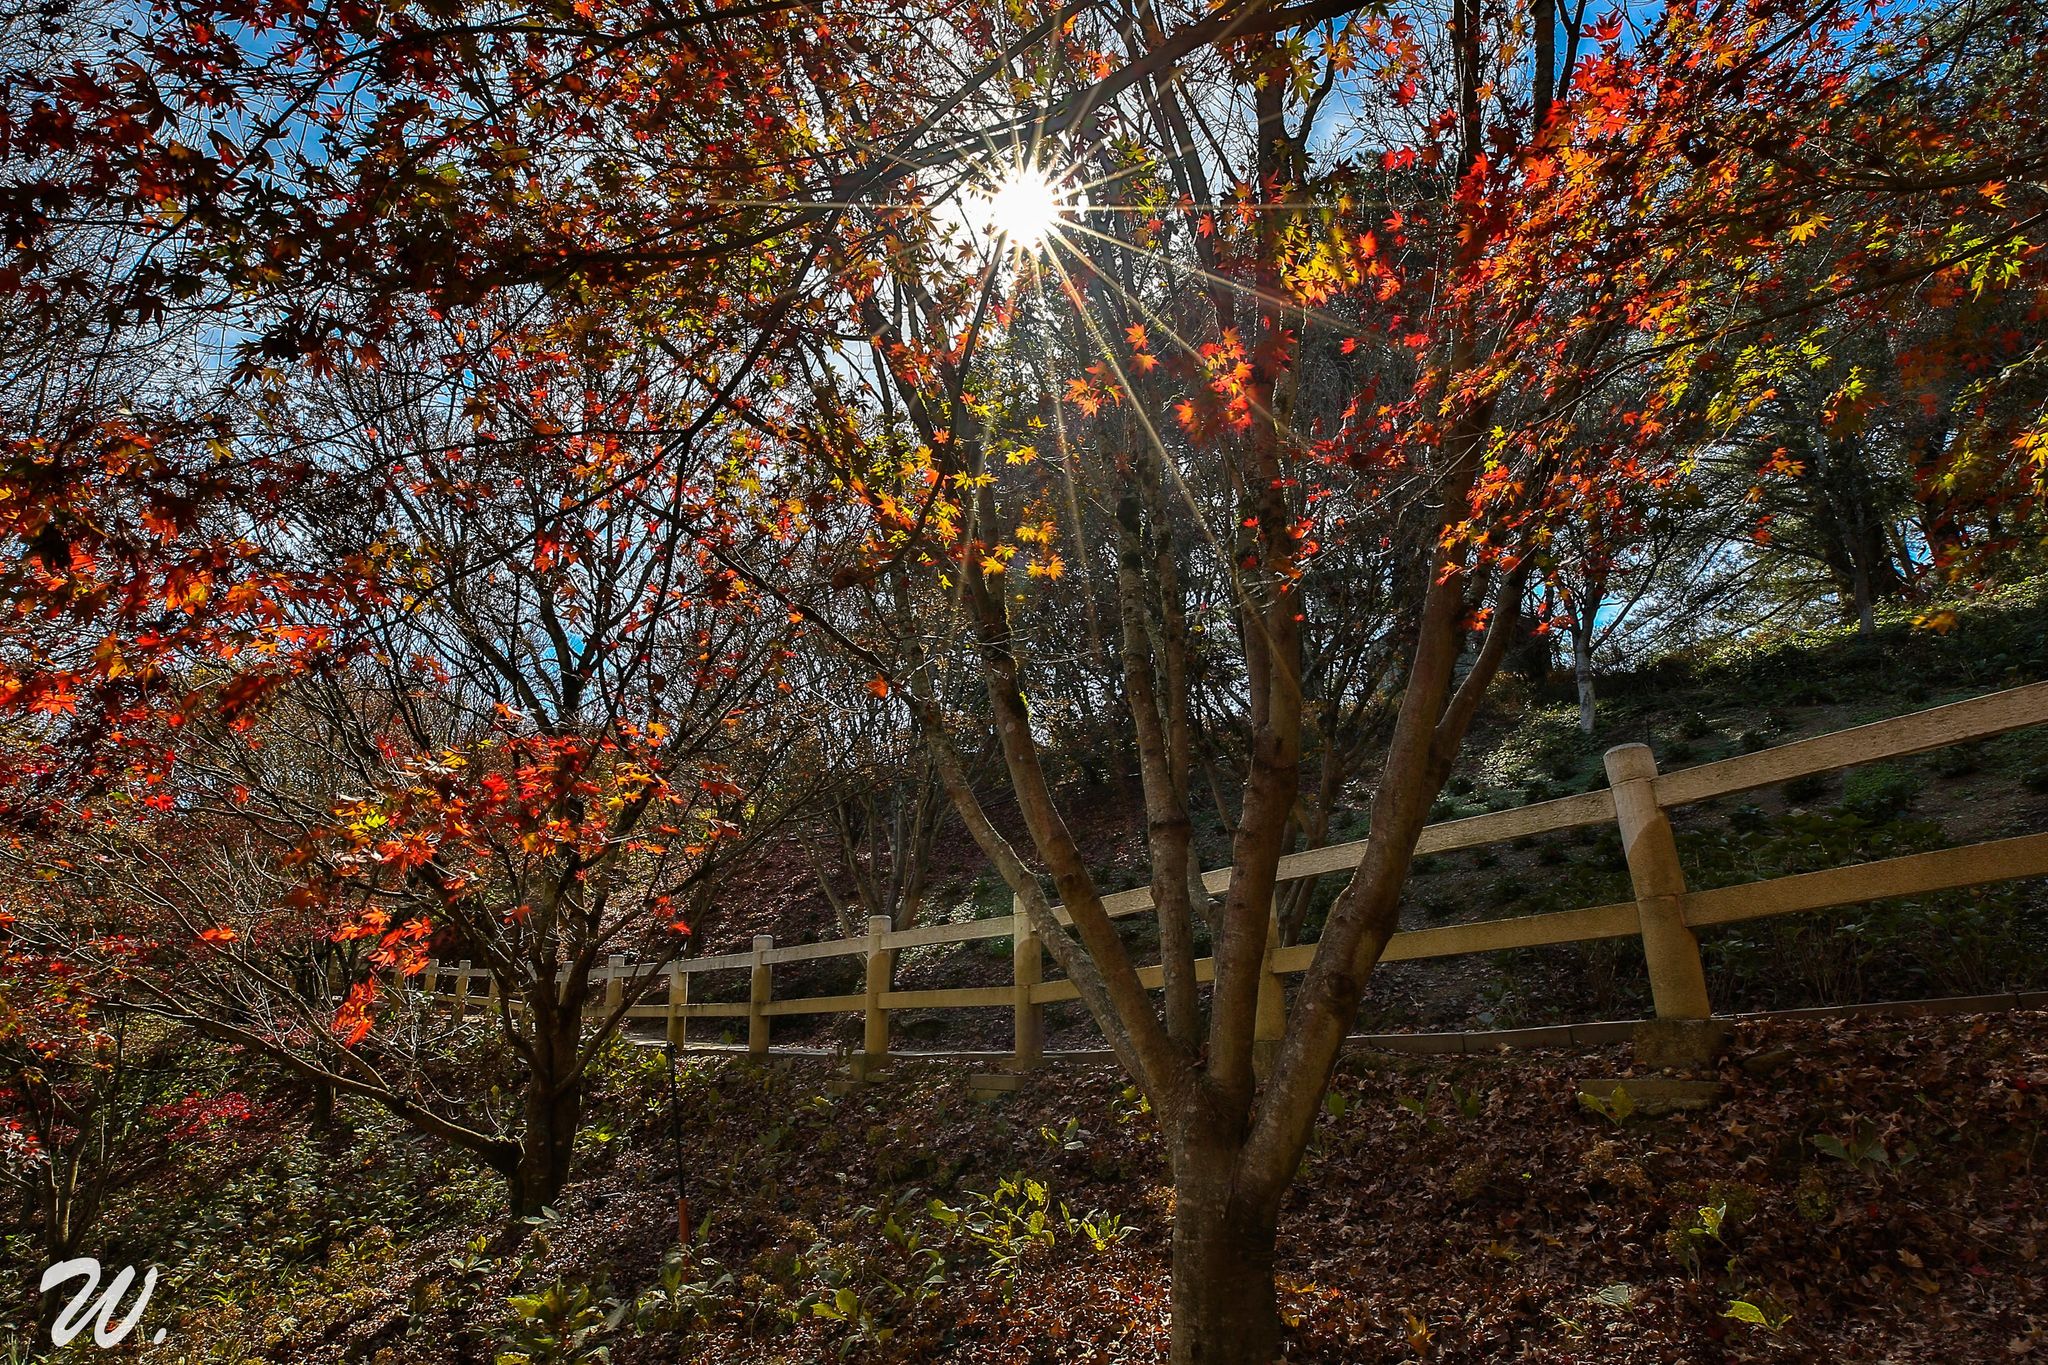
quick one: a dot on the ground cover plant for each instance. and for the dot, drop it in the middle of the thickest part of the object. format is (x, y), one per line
(1869, 1190)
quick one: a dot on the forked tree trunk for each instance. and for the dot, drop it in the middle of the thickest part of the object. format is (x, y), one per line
(1223, 1304)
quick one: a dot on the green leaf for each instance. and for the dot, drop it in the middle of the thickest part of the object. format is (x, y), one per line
(1832, 1146)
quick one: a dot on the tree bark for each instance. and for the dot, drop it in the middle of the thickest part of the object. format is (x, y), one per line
(546, 1150)
(554, 1110)
(1866, 612)
(1582, 673)
(1224, 1310)
(64, 1229)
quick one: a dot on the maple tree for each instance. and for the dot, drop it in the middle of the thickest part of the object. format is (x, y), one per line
(1552, 261)
(546, 749)
(122, 490)
(398, 620)
(72, 1091)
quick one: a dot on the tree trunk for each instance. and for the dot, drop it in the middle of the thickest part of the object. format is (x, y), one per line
(61, 1239)
(1859, 583)
(547, 1148)
(49, 1303)
(554, 1111)
(1582, 672)
(1224, 1311)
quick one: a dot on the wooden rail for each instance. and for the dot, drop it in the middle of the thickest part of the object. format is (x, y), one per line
(1663, 913)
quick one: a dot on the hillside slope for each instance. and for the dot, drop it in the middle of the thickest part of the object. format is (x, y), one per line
(1868, 1192)
(1527, 747)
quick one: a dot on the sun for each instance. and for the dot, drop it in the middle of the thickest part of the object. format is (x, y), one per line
(1024, 207)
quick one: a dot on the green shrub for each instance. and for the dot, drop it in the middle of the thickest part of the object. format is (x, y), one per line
(1019, 1220)
(1958, 760)
(1805, 789)
(1559, 749)
(1747, 819)
(1880, 793)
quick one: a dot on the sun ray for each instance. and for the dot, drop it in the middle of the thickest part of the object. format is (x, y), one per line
(1263, 296)
(1024, 206)
(1019, 200)
(1166, 460)
(1286, 429)
(1430, 479)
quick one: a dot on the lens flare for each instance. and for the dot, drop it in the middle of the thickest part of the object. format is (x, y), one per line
(1024, 207)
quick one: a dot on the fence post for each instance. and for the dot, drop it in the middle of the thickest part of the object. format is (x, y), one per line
(881, 964)
(1678, 983)
(430, 977)
(462, 991)
(615, 983)
(1027, 969)
(757, 997)
(678, 996)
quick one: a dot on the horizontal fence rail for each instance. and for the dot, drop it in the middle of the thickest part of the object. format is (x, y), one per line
(1664, 913)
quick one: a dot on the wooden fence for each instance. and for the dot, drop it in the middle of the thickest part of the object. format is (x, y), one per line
(1663, 913)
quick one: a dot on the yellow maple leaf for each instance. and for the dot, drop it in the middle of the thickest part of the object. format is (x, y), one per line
(1804, 232)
